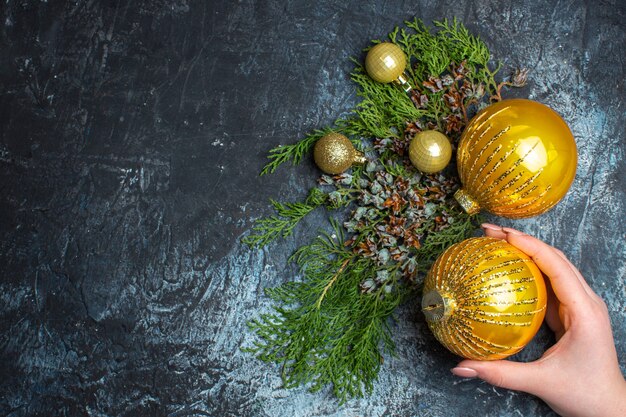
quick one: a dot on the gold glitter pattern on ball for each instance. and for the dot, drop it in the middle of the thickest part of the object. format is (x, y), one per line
(385, 62)
(516, 158)
(484, 299)
(430, 151)
(334, 153)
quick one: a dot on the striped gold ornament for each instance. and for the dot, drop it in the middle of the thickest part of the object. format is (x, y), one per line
(516, 158)
(484, 299)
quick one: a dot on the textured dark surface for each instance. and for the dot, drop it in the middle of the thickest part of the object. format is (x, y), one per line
(131, 135)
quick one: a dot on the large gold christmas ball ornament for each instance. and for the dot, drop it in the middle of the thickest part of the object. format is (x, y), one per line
(334, 153)
(484, 299)
(430, 151)
(516, 158)
(385, 62)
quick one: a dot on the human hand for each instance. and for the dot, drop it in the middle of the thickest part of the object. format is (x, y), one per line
(580, 374)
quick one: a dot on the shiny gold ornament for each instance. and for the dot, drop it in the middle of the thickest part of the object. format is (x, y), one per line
(386, 63)
(430, 151)
(516, 158)
(334, 153)
(484, 299)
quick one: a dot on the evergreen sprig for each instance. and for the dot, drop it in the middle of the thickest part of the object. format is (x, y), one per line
(384, 109)
(326, 332)
(294, 152)
(332, 327)
(286, 218)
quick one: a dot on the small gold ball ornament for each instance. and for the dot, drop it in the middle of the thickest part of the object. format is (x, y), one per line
(385, 62)
(484, 299)
(430, 151)
(334, 153)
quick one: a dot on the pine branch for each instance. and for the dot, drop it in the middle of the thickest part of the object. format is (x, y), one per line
(293, 153)
(384, 109)
(333, 326)
(283, 222)
(463, 227)
(463, 45)
(326, 332)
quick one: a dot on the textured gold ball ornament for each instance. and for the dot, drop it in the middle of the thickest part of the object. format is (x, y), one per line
(484, 299)
(334, 153)
(386, 63)
(430, 151)
(516, 158)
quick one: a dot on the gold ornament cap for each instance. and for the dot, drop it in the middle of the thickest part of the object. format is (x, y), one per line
(437, 306)
(466, 201)
(430, 151)
(334, 153)
(385, 63)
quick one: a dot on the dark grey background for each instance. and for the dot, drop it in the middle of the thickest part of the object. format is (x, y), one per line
(131, 136)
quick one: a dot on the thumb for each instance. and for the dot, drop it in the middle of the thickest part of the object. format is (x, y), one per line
(505, 374)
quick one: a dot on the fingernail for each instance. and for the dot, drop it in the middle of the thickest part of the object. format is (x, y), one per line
(464, 372)
(512, 231)
(490, 226)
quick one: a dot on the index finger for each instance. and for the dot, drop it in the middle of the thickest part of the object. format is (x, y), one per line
(565, 283)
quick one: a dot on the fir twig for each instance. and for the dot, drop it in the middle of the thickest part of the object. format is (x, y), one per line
(292, 153)
(463, 45)
(283, 222)
(339, 342)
